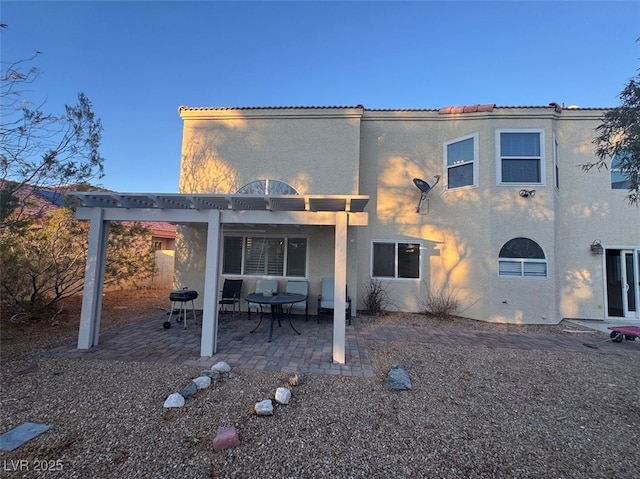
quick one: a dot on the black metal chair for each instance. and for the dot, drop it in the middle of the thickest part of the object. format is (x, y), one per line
(231, 291)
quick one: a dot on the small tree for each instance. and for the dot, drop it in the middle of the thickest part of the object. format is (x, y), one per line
(619, 135)
(44, 261)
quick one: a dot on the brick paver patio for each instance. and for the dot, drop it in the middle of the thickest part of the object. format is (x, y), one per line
(311, 351)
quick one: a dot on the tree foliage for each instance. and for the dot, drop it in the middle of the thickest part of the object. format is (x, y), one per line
(619, 135)
(43, 248)
(39, 148)
(44, 260)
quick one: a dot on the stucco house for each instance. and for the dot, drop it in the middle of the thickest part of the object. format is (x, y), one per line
(504, 220)
(508, 230)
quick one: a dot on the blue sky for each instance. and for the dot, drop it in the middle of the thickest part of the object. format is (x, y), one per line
(139, 61)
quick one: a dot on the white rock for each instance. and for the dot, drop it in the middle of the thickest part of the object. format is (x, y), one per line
(221, 367)
(283, 395)
(264, 408)
(202, 382)
(174, 400)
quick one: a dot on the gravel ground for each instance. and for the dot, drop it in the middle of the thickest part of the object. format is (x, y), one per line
(473, 412)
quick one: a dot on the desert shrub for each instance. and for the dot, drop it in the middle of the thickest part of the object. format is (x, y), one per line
(440, 303)
(376, 297)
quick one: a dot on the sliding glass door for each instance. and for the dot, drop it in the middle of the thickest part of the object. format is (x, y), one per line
(623, 283)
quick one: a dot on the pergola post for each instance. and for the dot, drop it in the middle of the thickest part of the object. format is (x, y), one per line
(209, 337)
(340, 288)
(89, 331)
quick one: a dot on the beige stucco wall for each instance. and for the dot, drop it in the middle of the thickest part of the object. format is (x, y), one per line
(314, 150)
(378, 153)
(589, 210)
(320, 245)
(464, 228)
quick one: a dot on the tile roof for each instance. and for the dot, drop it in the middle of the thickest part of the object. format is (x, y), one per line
(228, 108)
(444, 110)
(453, 110)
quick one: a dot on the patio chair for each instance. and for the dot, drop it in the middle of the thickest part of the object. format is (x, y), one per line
(325, 300)
(262, 285)
(299, 287)
(230, 295)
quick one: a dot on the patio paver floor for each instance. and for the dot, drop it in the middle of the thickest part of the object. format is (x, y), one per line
(311, 351)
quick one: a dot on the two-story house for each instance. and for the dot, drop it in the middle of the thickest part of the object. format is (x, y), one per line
(514, 230)
(487, 205)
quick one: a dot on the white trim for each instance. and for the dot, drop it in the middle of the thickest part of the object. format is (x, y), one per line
(499, 181)
(556, 166)
(522, 262)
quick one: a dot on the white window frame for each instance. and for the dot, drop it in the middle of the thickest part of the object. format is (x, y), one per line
(474, 162)
(524, 272)
(556, 167)
(541, 158)
(625, 182)
(508, 267)
(395, 277)
(285, 238)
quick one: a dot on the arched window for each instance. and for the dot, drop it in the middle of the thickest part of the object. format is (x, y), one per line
(522, 257)
(267, 187)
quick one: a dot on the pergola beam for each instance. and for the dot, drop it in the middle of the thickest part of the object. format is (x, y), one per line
(340, 211)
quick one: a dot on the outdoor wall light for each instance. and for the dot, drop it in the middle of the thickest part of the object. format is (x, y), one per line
(527, 193)
(596, 247)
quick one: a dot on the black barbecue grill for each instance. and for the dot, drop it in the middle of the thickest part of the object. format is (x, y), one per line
(180, 298)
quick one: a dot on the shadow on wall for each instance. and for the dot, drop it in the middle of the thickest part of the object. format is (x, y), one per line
(202, 169)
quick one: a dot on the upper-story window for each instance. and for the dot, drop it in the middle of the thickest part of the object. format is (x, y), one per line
(619, 179)
(522, 257)
(461, 162)
(520, 158)
(267, 187)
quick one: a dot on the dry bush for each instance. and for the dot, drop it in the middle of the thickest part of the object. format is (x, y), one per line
(441, 303)
(376, 298)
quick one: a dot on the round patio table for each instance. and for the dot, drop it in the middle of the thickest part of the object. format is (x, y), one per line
(276, 302)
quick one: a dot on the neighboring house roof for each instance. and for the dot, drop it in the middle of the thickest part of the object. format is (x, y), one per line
(39, 199)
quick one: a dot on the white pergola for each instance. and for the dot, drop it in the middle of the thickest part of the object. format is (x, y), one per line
(340, 211)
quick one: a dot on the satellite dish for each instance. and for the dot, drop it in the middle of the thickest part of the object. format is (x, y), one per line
(424, 188)
(422, 185)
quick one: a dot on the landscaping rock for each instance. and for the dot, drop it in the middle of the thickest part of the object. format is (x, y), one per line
(214, 375)
(296, 379)
(174, 400)
(264, 408)
(202, 382)
(283, 395)
(226, 437)
(189, 390)
(221, 367)
(398, 379)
